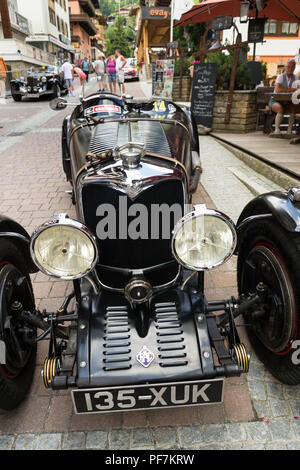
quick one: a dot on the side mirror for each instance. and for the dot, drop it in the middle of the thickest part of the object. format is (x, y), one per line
(57, 104)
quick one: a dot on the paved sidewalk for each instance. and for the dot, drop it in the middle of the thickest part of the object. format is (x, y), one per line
(277, 152)
(257, 413)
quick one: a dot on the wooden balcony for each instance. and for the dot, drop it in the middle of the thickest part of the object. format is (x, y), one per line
(88, 7)
(85, 22)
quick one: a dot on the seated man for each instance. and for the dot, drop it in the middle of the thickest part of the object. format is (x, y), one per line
(284, 84)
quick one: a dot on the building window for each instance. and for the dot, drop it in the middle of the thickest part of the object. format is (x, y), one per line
(289, 28)
(281, 28)
(270, 27)
(52, 16)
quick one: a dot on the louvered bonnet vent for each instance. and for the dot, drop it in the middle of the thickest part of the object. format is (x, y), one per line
(109, 135)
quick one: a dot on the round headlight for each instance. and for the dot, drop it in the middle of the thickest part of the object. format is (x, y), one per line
(44, 79)
(203, 239)
(64, 248)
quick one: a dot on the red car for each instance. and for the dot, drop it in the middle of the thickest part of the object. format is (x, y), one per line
(131, 69)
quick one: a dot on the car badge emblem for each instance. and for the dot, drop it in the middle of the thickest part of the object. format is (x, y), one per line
(134, 190)
(145, 357)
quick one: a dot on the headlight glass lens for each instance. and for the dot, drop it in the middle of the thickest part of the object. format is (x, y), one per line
(203, 241)
(64, 251)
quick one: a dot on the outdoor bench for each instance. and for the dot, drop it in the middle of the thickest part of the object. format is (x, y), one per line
(265, 115)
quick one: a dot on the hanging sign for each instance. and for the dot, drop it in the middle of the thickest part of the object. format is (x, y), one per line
(256, 30)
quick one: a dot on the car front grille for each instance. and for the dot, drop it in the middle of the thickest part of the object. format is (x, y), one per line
(32, 81)
(133, 254)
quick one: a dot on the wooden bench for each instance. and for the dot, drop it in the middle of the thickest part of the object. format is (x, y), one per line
(266, 115)
(263, 111)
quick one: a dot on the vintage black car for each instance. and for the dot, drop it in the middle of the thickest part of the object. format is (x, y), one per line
(41, 81)
(142, 334)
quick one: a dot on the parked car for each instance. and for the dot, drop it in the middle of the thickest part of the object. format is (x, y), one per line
(40, 81)
(131, 70)
(142, 334)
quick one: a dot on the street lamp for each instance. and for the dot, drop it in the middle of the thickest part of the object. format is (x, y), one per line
(244, 12)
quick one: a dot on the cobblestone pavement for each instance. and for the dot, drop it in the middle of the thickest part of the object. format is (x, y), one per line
(257, 412)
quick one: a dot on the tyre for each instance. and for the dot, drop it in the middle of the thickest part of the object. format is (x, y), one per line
(16, 295)
(16, 97)
(56, 91)
(269, 258)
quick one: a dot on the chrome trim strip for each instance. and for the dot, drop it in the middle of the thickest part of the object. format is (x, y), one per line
(155, 288)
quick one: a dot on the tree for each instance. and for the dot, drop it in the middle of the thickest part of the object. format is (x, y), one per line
(189, 37)
(119, 37)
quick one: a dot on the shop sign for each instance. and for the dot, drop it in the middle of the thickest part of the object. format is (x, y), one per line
(156, 13)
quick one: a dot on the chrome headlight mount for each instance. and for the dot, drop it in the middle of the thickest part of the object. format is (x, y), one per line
(64, 248)
(203, 239)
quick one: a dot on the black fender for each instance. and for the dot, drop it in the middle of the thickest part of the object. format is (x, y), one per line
(193, 130)
(13, 231)
(15, 84)
(278, 205)
(56, 80)
(65, 139)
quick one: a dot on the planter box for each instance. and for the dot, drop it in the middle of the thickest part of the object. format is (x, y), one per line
(243, 111)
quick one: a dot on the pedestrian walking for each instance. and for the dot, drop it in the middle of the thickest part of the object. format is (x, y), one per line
(68, 76)
(82, 77)
(111, 73)
(85, 65)
(100, 72)
(120, 64)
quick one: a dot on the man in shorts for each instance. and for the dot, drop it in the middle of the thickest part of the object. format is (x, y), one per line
(68, 76)
(100, 72)
(285, 84)
(85, 65)
(120, 64)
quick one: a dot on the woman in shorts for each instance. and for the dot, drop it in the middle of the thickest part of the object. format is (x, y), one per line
(111, 73)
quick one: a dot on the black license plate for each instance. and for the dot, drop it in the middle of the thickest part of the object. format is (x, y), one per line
(100, 400)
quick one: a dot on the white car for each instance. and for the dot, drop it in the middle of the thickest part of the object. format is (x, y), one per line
(131, 69)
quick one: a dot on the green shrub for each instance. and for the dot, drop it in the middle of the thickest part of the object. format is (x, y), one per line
(185, 67)
(225, 63)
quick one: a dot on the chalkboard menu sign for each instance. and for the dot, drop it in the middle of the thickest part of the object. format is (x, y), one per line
(203, 94)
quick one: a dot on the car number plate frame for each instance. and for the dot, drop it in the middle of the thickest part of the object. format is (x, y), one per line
(150, 396)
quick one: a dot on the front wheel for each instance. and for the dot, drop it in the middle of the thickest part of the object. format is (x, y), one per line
(269, 259)
(17, 358)
(16, 97)
(56, 91)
